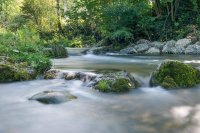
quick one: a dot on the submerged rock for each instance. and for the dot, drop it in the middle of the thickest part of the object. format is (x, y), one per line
(115, 82)
(53, 97)
(174, 74)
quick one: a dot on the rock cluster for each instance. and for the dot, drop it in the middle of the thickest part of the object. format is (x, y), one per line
(182, 46)
(118, 81)
(145, 47)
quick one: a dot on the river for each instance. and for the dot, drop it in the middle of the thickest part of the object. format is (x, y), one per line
(143, 110)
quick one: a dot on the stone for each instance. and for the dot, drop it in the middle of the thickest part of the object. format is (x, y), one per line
(128, 50)
(140, 48)
(174, 74)
(193, 49)
(181, 45)
(52, 74)
(169, 47)
(153, 51)
(143, 41)
(70, 75)
(53, 97)
(117, 82)
(183, 42)
(157, 44)
(83, 76)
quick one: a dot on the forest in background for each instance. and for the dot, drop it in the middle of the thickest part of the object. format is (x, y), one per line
(28, 27)
(81, 23)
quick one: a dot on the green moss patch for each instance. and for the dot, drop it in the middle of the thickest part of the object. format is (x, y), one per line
(121, 85)
(116, 81)
(103, 86)
(174, 74)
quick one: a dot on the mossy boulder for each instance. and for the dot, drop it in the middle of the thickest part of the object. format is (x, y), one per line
(174, 74)
(15, 72)
(116, 82)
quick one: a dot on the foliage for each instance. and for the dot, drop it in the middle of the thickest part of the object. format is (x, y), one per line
(83, 23)
(23, 46)
(59, 51)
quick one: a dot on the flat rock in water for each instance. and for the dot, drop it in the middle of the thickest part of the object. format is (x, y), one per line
(53, 97)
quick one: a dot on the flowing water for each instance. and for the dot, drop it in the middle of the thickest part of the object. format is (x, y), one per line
(143, 110)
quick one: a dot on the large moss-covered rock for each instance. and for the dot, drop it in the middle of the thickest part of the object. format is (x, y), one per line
(115, 82)
(174, 74)
(15, 71)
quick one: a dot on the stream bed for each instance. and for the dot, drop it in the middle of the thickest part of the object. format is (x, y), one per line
(143, 110)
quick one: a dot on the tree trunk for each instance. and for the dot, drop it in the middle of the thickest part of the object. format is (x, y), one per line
(176, 5)
(58, 16)
(65, 8)
(158, 8)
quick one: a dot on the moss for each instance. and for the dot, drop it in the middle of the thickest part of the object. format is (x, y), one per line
(12, 72)
(121, 85)
(103, 86)
(174, 74)
(117, 85)
(169, 82)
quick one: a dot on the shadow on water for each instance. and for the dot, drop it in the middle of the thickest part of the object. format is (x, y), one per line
(143, 110)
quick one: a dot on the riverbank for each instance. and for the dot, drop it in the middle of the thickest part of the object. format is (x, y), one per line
(144, 47)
